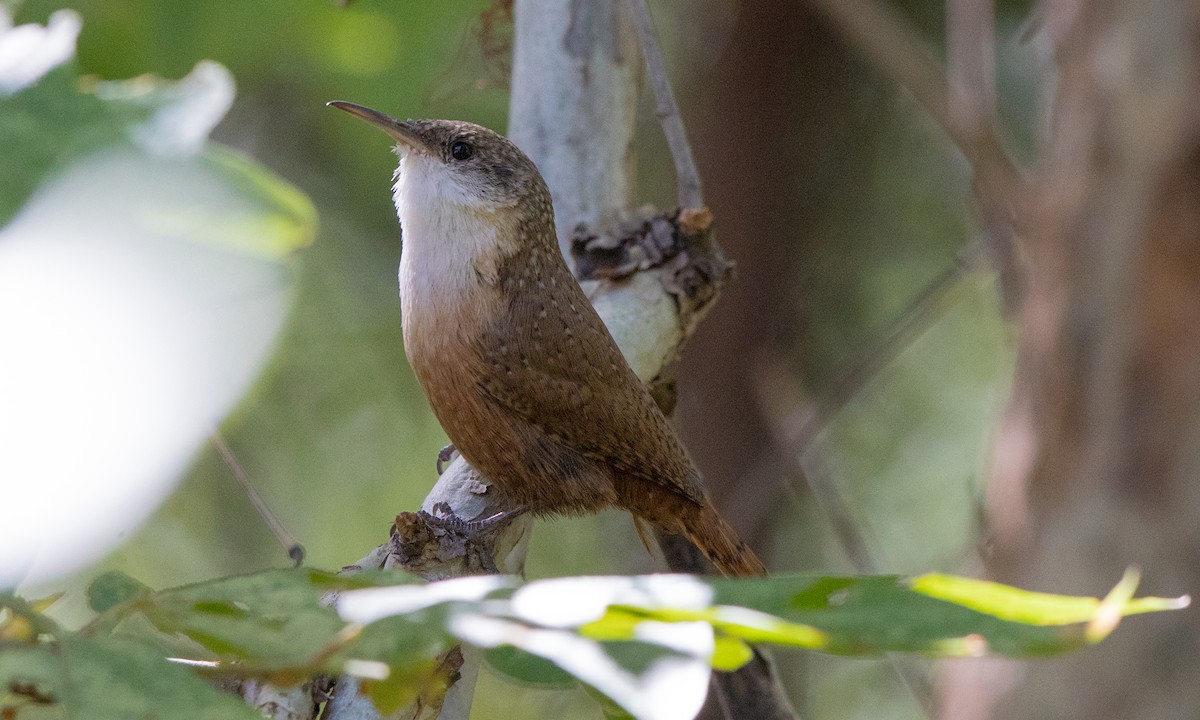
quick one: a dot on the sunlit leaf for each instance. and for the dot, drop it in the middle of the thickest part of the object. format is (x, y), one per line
(866, 615)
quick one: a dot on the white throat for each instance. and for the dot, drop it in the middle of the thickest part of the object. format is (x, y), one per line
(451, 248)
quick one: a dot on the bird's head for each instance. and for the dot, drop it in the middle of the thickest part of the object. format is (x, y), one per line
(456, 163)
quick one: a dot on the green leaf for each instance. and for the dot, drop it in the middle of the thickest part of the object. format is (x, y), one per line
(113, 588)
(730, 653)
(523, 668)
(274, 622)
(270, 620)
(632, 639)
(112, 678)
(121, 678)
(29, 673)
(932, 615)
(283, 220)
(21, 619)
(50, 126)
(43, 128)
(1032, 608)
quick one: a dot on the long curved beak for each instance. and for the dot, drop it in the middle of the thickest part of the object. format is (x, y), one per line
(401, 131)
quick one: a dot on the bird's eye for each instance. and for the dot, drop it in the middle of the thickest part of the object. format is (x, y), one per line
(461, 150)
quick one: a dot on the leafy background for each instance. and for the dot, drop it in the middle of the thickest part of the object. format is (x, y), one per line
(336, 433)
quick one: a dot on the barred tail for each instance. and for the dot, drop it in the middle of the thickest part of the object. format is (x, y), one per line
(720, 544)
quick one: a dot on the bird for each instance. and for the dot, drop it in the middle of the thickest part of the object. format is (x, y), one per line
(519, 369)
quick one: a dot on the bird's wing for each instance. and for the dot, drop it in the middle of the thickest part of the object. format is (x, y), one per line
(554, 364)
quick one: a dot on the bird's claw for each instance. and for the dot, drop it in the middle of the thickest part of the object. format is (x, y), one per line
(444, 456)
(442, 515)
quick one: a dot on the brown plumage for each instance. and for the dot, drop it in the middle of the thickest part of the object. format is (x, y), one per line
(519, 369)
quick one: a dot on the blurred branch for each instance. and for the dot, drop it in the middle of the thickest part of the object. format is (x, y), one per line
(964, 105)
(1095, 464)
(787, 414)
(687, 178)
(971, 61)
(286, 540)
(797, 422)
(933, 300)
(894, 49)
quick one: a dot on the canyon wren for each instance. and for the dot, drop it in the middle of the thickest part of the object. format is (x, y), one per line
(519, 369)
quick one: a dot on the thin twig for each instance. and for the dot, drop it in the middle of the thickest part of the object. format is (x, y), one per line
(687, 178)
(796, 423)
(286, 540)
(784, 407)
(918, 317)
(895, 49)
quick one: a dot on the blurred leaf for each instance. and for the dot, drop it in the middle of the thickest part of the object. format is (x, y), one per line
(61, 119)
(170, 117)
(27, 52)
(624, 635)
(664, 678)
(403, 640)
(113, 588)
(43, 129)
(112, 678)
(408, 681)
(730, 653)
(45, 603)
(283, 219)
(270, 620)
(521, 667)
(274, 621)
(31, 672)
(22, 620)
(143, 246)
(43, 121)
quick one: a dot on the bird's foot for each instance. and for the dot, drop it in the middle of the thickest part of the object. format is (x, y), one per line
(443, 516)
(476, 537)
(444, 456)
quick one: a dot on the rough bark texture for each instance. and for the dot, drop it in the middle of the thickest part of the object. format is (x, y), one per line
(1096, 463)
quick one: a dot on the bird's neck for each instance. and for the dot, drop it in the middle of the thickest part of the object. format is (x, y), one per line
(449, 272)
(455, 259)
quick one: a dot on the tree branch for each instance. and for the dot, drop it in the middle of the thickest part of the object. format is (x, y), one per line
(687, 178)
(894, 49)
(971, 62)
